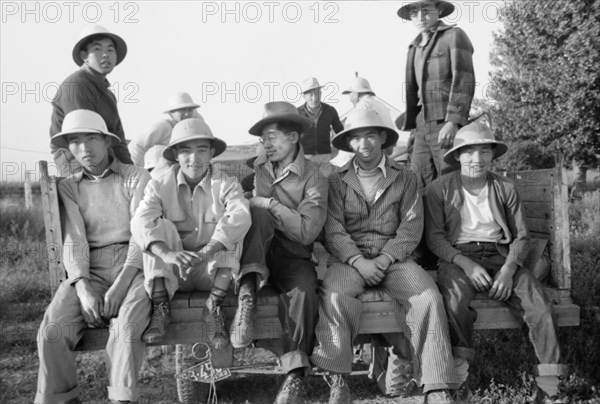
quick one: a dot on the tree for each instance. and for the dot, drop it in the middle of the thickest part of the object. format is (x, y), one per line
(546, 80)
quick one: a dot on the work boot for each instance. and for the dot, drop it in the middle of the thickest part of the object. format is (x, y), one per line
(339, 392)
(217, 334)
(291, 391)
(438, 397)
(161, 317)
(242, 327)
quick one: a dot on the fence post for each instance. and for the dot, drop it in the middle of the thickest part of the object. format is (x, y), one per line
(27, 188)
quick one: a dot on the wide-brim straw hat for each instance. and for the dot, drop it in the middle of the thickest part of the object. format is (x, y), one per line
(192, 129)
(83, 121)
(180, 100)
(359, 119)
(309, 84)
(476, 133)
(279, 111)
(446, 8)
(359, 85)
(98, 30)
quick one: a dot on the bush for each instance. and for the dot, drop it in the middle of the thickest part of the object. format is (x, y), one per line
(524, 155)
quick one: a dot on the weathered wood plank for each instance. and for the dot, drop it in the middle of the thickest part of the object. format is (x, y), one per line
(51, 209)
(535, 193)
(539, 225)
(561, 242)
(533, 177)
(538, 210)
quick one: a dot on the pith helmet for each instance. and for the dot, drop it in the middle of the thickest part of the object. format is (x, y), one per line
(192, 129)
(359, 119)
(476, 133)
(359, 85)
(84, 121)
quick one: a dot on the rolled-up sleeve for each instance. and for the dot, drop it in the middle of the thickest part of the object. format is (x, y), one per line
(144, 225)
(137, 187)
(236, 220)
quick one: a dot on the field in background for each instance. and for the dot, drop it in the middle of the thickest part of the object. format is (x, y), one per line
(501, 373)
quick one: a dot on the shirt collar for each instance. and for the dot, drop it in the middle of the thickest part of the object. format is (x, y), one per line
(99, 78)
(113, 167)
(182, 181)
(296, 166)
(381, 165)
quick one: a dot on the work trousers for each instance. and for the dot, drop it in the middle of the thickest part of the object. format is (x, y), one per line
(62, 328)
(419, 303)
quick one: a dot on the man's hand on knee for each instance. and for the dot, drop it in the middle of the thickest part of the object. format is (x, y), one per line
(91, 302)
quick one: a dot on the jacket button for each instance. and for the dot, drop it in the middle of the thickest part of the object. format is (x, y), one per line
(460, 108)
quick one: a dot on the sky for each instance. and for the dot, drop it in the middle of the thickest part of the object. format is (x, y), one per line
(231, 56)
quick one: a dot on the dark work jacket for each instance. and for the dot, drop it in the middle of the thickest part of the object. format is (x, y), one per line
(316, 140)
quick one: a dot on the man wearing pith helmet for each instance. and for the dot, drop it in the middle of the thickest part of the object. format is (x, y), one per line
(180, 106)
(440, 84)
(105, 281)
(476, 226)
(190, 227)
(97, 52)
(374, 223)
(288, 208)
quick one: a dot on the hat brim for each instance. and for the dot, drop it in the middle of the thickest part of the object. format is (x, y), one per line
(256, 129)
(339, 141)
(310, 89)
(114, 138)
(499, 149)
(349, 91)
(219, 145)
(446, 8)
(182, 106)
(119, 43)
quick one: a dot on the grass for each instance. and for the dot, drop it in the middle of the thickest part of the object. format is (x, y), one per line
(501, 373)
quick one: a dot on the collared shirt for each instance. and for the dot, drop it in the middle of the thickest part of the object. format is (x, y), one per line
(88, 89)
(214, 210)
(444, 199)
(391, 225)
(97, 213)
(300, 195)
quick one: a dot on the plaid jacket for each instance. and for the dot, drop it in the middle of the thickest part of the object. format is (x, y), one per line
(448, 80)
(392, 224)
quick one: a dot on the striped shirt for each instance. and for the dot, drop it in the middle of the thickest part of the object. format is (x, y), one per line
(392, 225)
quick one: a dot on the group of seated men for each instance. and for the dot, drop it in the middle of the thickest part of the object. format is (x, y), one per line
(132, 240)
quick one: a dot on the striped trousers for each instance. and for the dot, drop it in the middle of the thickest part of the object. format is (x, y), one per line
(420, 304)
